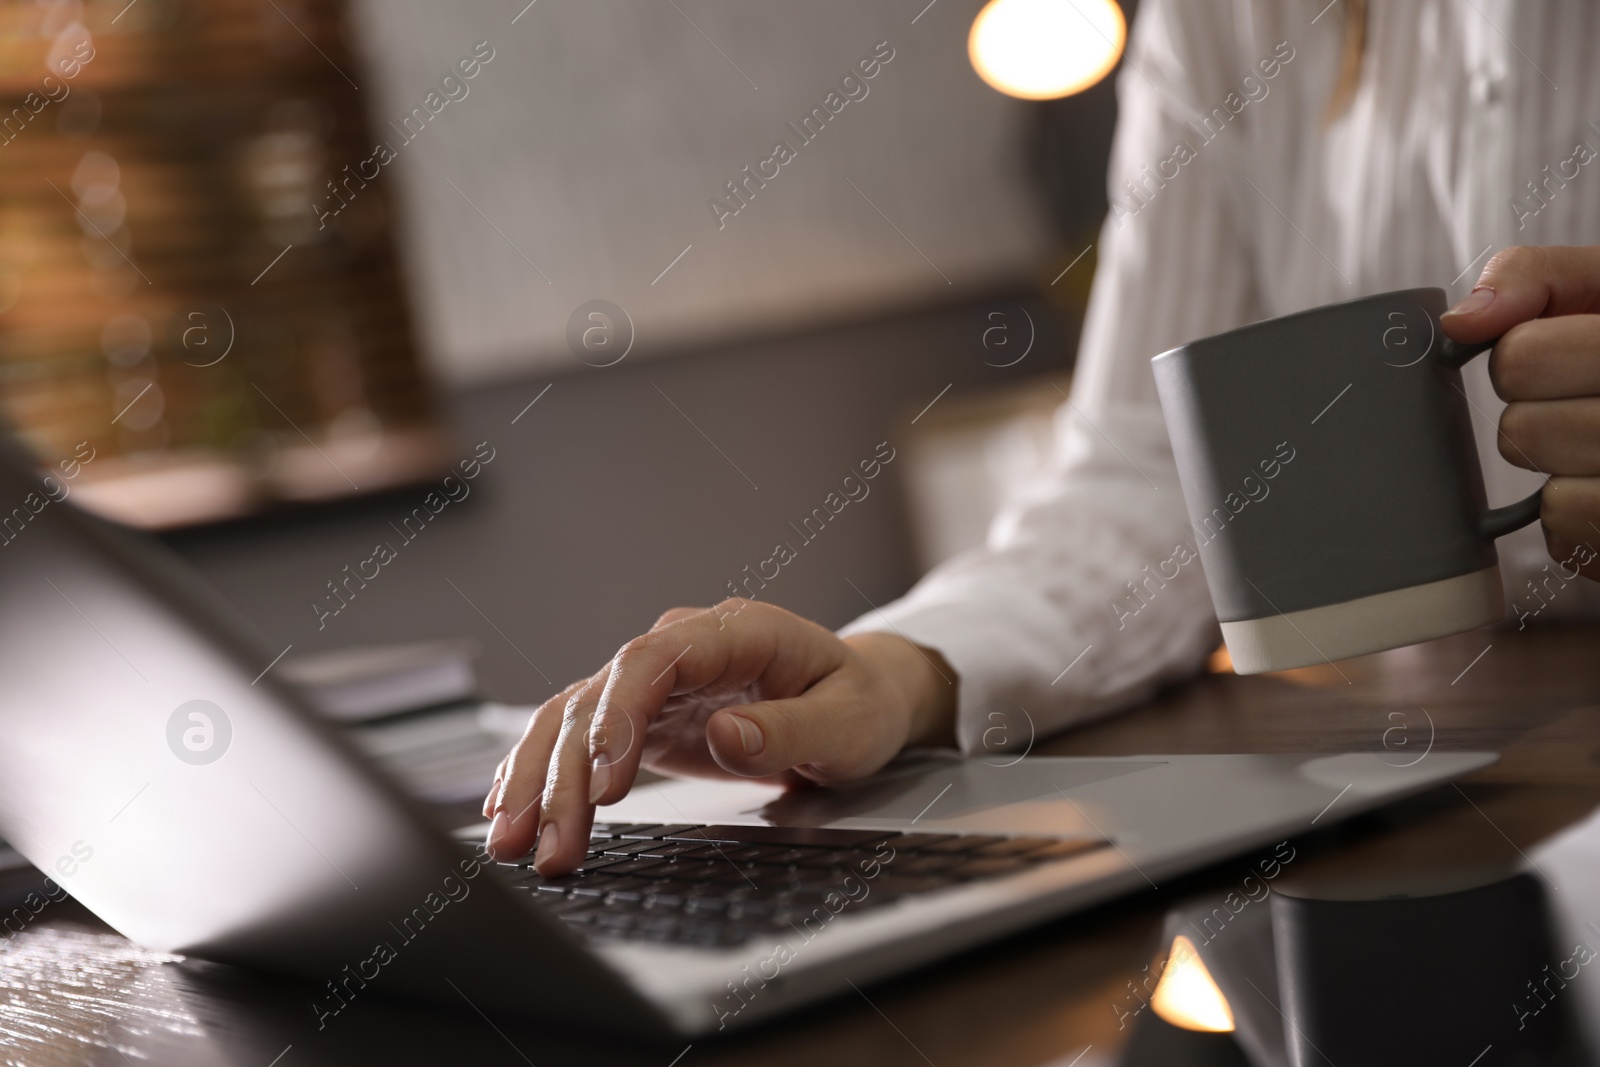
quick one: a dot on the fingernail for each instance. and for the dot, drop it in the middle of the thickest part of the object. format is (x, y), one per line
(1477, 300)
(750, 735)
(599, 779)
(549, 840)
(497, 831)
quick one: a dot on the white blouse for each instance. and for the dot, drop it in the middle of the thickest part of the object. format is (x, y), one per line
(1475, 126)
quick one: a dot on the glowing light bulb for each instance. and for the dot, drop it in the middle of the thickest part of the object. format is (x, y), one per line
(1043, 49)
(1187, 996)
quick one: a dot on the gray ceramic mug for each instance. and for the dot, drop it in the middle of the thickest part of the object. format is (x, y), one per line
(1332, 481)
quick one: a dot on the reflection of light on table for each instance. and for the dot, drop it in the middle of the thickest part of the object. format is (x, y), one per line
(1043, 49)
(1187, 995)
(64, 991)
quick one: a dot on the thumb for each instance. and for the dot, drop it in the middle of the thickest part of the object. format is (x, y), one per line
(1523, 283)
(829, 734)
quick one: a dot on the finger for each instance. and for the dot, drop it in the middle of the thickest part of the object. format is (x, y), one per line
(1548, 359)
(566, 816)
(493, 795)
(829, 734)
(616, 737)
(1568, 561)
(672, 615)
(1571, 518)
(1552, 436)
(516, 809)
(1523, 283)
(734, 645)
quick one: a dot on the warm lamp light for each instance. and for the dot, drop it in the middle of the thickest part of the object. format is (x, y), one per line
(1187, 996)
(1043, 49)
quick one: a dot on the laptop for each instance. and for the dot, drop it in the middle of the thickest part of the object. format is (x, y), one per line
(154, 766)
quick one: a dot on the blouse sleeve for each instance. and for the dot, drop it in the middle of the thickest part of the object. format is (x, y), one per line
(1087, 594)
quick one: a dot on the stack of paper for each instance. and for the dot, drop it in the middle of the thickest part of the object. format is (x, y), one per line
(415, 709)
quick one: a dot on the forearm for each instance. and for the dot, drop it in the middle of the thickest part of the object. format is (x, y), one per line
(1082, 602)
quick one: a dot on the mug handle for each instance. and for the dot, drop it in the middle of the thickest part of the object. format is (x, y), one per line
(1494, 522)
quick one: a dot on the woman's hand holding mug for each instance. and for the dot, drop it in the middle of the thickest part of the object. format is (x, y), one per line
(1543, 303)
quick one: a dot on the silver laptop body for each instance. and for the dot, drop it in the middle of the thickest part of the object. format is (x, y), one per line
(153, 767)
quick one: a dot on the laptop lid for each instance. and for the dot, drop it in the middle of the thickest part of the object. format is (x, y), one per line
(153, 767)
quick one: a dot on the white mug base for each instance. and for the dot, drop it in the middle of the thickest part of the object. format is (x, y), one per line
(1367, 624)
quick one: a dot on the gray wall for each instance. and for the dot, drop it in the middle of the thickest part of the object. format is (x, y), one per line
(604, 505)
(580, 161)
(609, 125)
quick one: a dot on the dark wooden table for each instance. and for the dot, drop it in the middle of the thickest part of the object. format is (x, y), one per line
(75, 993)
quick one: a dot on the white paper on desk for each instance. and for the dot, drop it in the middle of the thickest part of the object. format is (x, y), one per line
(1569, 866)
(372, 682)
(446, 756)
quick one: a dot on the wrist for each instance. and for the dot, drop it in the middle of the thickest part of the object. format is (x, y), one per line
(923, 686)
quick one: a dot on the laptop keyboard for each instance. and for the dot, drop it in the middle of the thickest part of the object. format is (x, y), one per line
(719, 886)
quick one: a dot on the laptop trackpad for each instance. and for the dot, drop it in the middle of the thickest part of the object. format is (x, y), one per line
(942, 789)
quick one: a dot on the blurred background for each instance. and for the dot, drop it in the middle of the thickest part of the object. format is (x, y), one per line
(662, 275)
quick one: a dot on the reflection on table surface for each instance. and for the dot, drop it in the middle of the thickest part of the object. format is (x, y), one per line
(75, 993)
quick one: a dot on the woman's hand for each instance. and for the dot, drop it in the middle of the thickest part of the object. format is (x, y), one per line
(1544, 305)
(741, 690)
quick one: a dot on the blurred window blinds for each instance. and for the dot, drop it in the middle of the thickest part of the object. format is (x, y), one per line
(185, 334)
